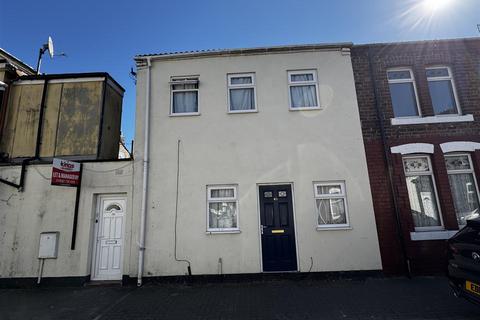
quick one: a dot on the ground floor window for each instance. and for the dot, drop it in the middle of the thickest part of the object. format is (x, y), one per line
(463, 186)
(422, 193)
(222, 208)
(330, 201)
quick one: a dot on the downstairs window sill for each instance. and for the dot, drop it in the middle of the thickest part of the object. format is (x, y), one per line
(222, 232)
(333, 228)
(432, 119)
(432, 235)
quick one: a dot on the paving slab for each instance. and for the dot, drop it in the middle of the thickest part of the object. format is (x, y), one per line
(372, 298)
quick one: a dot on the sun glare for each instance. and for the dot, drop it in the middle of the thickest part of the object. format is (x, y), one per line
(435, 5)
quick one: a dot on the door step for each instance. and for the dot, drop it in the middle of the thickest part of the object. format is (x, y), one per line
(104, 283)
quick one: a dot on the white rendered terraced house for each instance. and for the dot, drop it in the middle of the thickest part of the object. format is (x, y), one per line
(251, 161)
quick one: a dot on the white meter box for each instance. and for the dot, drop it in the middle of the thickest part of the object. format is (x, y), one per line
(48, 248)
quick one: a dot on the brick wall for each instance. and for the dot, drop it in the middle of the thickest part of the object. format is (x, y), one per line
(463, 57)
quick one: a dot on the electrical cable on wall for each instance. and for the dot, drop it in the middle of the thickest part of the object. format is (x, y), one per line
(176, 212)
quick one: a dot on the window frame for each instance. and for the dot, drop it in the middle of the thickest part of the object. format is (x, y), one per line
(437, 198)
(223, 199)
(463, 171)
(303, 83)
(414, 84)
(342, 195)
(187, 78)
(252, 85)
(452, 82)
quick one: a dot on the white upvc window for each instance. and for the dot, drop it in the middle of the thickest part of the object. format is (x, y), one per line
(463, 186)
(303, 90)
(422, 193)
(442, 90)
(184, 95)
(222, 208)
(331, 205)
(241, 93)
(403, 93)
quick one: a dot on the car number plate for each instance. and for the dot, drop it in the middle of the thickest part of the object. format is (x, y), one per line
(472, 287)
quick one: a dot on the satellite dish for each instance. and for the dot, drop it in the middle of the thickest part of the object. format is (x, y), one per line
(50, 46)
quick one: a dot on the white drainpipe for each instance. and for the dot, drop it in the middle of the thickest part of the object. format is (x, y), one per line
(146, 136)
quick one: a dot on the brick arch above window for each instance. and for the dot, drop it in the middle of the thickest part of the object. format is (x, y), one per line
(411, 148)
(456, 146)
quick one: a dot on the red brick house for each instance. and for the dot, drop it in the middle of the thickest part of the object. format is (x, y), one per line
(420, 111)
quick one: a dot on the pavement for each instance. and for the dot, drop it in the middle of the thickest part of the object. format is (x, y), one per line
(371, 298)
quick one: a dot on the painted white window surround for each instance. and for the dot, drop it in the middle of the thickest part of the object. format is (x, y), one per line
(459, 146)
(331, 205)
(431, 119)
(303, 90)
(184, 96)
(222, 209)
(241, 93)
(411, 148)
(432, 235)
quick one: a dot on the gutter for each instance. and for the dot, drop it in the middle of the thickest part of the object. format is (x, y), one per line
(143, 213)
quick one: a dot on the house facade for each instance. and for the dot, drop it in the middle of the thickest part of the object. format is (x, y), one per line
(245, 158)
(419, 109)
(53, 229)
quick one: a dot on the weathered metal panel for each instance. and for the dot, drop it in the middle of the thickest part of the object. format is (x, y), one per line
(112, 118)
(78, 125)
(50, 119)
(26, 128)
(8, 134)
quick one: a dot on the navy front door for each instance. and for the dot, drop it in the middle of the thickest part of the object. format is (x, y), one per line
(278, 232)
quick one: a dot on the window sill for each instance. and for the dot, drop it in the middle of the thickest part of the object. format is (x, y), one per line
(432, 235)
(242, 111)
(334, 228)
(186, 114)
(305, 108)
(222, 232)
(431, 119)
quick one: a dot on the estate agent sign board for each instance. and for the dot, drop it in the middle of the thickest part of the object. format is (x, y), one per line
(65, 173)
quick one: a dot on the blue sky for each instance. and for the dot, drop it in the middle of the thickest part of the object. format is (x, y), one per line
(105, 35)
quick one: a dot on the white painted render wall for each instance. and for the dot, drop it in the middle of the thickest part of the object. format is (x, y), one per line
(42, 207)
(274, 145)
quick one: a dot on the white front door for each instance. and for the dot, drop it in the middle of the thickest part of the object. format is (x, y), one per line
(110, 227)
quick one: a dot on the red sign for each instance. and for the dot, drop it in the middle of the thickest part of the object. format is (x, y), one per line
(65, 173)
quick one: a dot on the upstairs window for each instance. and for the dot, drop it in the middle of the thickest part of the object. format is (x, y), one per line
(442, 90)
(422, 193)
(463, 186)
(303, 89)
(184, 95)
(403, 93)
(241, 92)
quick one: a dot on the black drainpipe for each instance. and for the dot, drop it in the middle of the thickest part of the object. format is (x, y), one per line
(380, 117)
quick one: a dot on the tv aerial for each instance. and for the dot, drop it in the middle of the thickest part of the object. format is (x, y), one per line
(46, 46)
